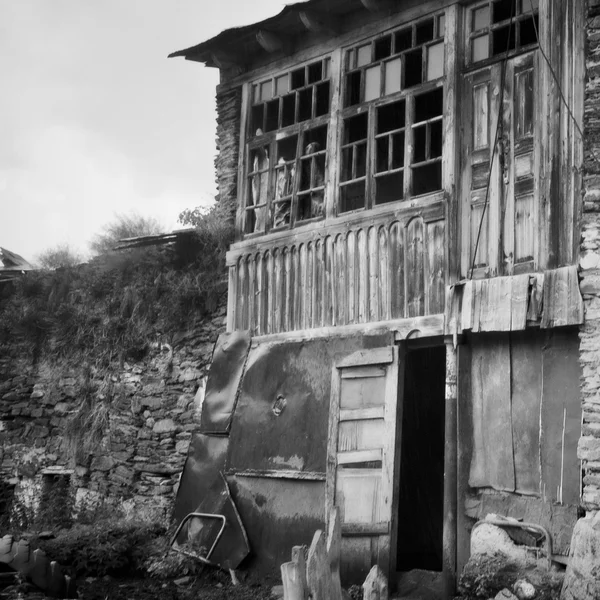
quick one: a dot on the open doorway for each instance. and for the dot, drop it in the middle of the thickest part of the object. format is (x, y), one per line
(421, 485)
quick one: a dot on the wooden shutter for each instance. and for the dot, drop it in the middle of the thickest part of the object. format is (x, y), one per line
(506, 235)
(363, 452)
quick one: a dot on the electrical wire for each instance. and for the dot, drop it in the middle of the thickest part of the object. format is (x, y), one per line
(554, 76)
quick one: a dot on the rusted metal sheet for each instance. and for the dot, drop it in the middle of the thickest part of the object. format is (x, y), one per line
(226, 371)
(278, 514)
(200, 477)
(203, 489)
(280, 422)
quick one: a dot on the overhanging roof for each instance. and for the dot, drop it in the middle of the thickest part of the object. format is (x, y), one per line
(240, 45)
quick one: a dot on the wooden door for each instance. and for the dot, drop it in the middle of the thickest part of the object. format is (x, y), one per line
(363, 455)
(499, 213)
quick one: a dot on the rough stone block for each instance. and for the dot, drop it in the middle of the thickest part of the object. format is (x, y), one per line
(165, 426)
(102, 463)
(582, 579)
(588, 448)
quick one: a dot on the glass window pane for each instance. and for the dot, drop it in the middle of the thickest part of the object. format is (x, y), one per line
(256, 94)
(372, 83)
(480, 48)
(530, 6)
(266, 90)
(435, 61)
(393, 74)
(481, 17)
(363, 56)
(282, 85)
(441, 25)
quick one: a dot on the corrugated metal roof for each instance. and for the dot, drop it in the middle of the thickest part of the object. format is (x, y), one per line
(239, 45)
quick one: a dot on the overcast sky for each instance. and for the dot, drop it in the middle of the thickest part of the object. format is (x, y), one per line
(95, 120)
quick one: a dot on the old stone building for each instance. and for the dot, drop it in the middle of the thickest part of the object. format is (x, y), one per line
(416, 275)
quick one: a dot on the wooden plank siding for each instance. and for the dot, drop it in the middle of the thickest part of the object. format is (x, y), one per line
(365, 274)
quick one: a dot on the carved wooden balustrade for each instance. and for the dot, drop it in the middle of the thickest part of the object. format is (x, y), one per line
(351, 273)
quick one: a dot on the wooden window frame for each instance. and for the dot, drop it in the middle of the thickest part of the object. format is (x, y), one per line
(269, 140)
(351, 66)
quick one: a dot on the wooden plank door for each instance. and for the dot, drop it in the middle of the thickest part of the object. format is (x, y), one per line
(498, 224)
(363, 455)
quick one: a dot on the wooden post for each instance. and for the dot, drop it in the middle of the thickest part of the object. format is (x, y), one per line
(334, 549)
(375, 586)
(450, 473)
(291, 577)
(318, 573)
(298, 557)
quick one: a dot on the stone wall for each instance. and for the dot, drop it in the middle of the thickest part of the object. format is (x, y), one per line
(140, 418)
(589, 262)
(228, 143)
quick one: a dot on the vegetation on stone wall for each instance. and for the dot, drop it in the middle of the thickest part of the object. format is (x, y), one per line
(114, 307)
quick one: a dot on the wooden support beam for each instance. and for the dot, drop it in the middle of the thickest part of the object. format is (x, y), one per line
(271, 42)
(227, 63)
(317, 22)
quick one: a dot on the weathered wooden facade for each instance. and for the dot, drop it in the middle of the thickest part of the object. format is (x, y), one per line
(406, 179)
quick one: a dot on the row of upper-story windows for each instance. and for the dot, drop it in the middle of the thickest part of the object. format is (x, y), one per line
(389, 130)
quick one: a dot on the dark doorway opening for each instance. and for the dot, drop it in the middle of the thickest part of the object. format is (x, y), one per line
(421, 489)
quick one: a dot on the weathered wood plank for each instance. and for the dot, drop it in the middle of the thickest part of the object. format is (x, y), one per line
(361, 413)
(371, 356)
(436, 264)
(363, 277)
(384, 307)
(373, 253)
(415, 276)
(358, 456)
(396, 262)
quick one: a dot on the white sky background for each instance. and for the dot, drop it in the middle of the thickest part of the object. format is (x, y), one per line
(95, 120)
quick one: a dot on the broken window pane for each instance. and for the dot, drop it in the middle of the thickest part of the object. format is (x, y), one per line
(355, 128)
(372, 83)
(425, 31)
(398, 150)
(528, 29)
(435, 61)
(420, 144)
(347, 161)
(389, 188)
(429, 105)
(391, 116)
(503, 10)
(322, 103)
(413, 68)
(256, 121)
(403, 40)
(383, 47)
(393, 74)
(427, 178)
(435, 139)
(305, 104)
(383, 154)
(504, 39)
(360, 160)
(315, 72)
(352, 196)
(317, 136)
(352, 95)
(288, 113)
(298, 78)
(272, 120)
(480, 48)
(363, 55)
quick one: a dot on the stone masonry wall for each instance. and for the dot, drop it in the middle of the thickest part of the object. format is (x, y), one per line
(151, 408)
(589, 263)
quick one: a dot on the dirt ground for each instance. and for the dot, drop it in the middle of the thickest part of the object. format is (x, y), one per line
(216, 586)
